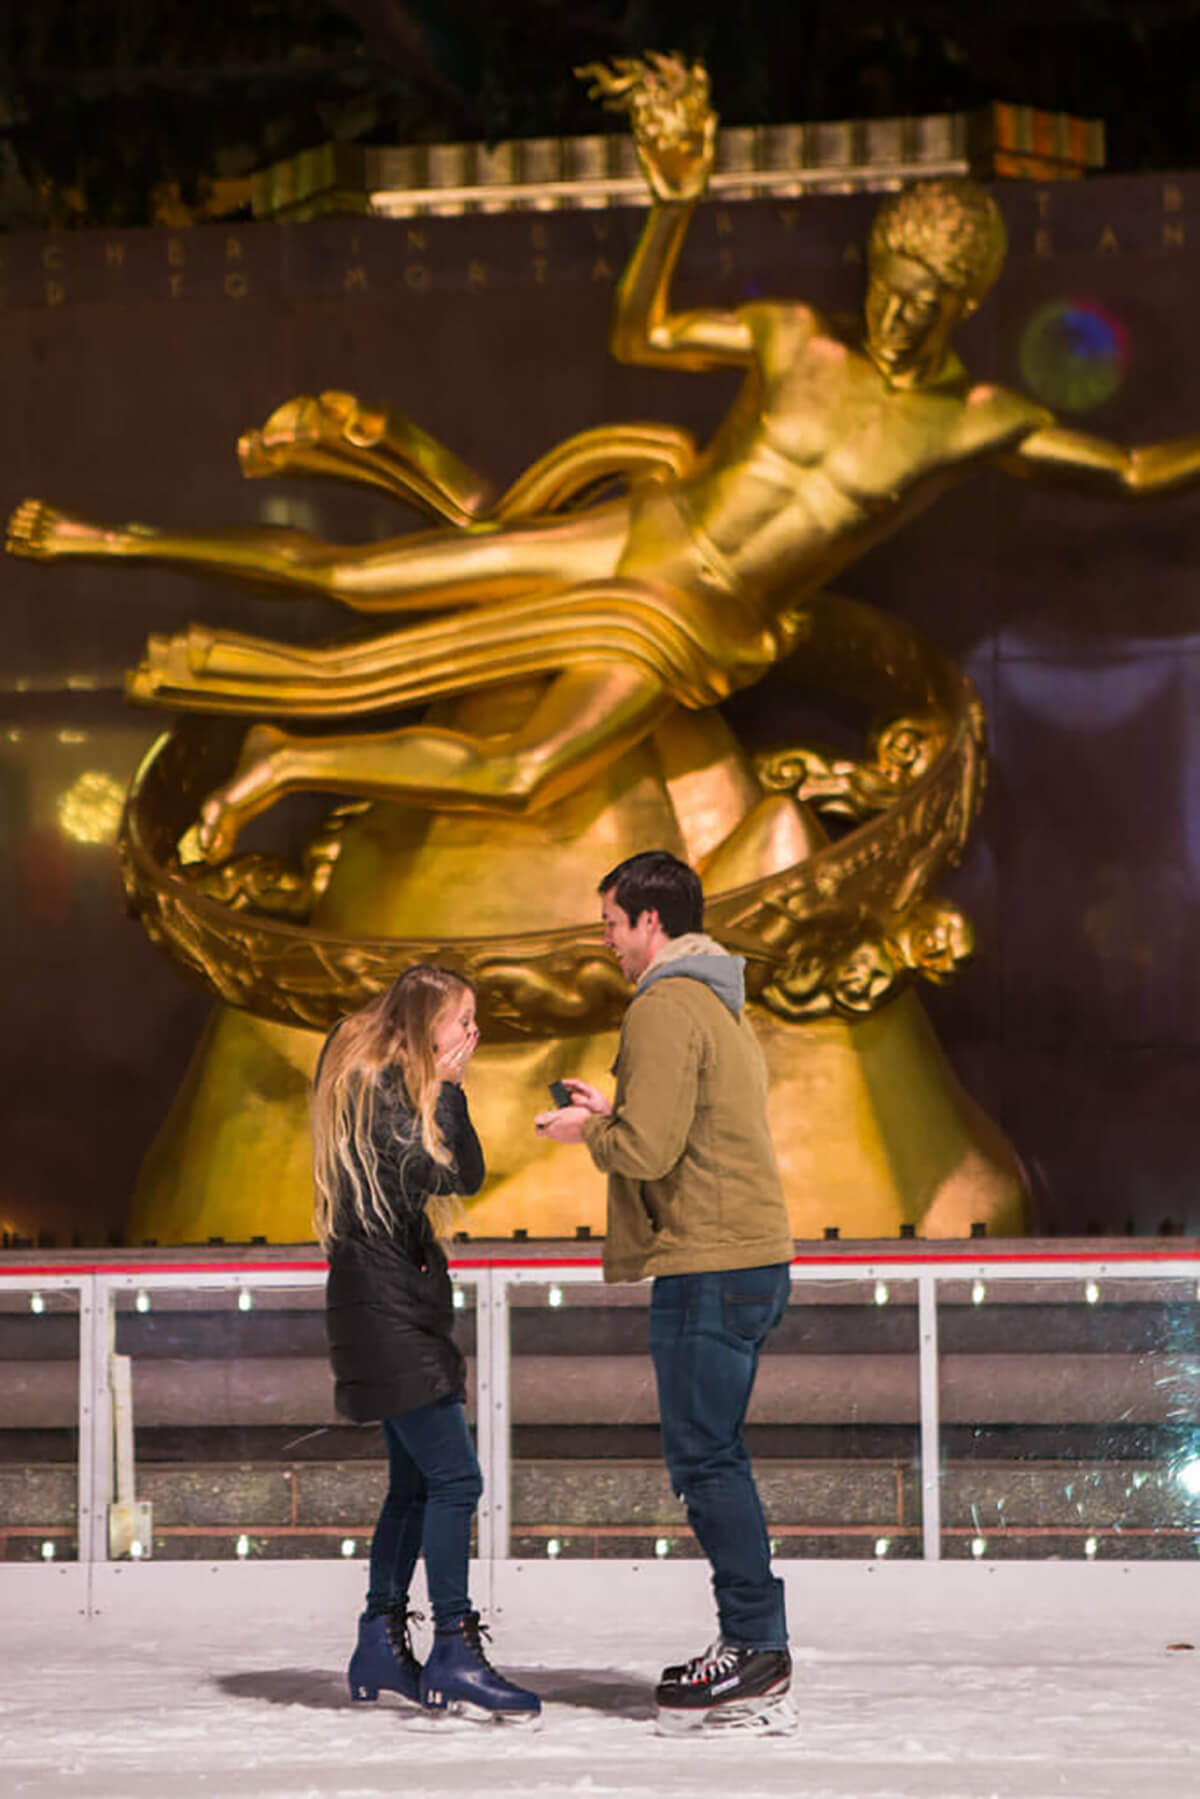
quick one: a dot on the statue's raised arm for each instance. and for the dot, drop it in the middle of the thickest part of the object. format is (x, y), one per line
(675, 135)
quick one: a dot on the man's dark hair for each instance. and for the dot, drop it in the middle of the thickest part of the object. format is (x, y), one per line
(656, 879)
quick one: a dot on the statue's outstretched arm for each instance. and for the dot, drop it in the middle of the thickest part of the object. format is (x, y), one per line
(675, 134)
(1094, 465)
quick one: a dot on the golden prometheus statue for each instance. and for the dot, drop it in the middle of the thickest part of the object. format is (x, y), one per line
(586, 626)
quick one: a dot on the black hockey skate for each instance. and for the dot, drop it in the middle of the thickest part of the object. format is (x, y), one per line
(728, 1689)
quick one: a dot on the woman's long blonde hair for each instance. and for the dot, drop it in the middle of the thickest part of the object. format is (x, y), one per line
(394, 1032)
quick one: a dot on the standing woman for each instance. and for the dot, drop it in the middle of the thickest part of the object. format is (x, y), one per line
(393, 1140)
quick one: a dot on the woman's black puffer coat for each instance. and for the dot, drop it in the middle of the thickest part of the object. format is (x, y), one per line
(389, 1308)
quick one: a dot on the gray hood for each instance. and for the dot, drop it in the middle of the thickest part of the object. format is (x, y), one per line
(697, 957)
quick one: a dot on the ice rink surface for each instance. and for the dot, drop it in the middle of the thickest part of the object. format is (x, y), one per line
(1036, 1682)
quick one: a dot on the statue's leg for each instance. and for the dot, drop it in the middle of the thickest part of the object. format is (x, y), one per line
(210, 669)
(539, 634)
(422, 571)
(586, 718)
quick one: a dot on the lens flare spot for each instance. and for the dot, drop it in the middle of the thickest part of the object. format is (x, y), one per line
(1074, 355)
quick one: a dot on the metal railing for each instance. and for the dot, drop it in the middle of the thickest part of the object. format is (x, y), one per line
(104, 1422)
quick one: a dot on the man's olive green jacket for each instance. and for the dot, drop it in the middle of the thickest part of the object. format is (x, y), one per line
(692, 1180)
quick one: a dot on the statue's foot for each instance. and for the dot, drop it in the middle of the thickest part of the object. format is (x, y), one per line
(142, 683)
(269, 451)
(170, 663)
(42, 532)
(197, 647)
(307, 433)
(216, 830)
(248, 791)
(159, 658)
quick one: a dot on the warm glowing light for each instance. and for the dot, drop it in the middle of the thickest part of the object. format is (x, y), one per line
(90, 809)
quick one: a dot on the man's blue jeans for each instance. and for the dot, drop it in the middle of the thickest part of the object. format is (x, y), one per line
(706, 1332)
(434, 1486)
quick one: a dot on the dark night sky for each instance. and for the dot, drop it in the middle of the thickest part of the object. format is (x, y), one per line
(114, 95)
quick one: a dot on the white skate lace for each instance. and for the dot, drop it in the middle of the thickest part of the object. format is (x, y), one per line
(716, 1660)
(689, 1669)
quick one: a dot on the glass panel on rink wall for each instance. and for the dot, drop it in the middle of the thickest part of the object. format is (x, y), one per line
(237, 1451)
(1070, 1418)
(841, 1421)
(833, 1428)
(39, 1424)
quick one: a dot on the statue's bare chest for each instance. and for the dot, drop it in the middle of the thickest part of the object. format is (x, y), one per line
(831, 411)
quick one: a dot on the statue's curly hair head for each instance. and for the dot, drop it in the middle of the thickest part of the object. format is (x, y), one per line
(951, 226)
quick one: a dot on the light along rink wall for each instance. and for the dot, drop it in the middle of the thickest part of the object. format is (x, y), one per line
(167, 1417)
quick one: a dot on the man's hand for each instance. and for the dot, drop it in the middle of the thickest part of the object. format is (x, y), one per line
(564, 1124)
(674, 126)
(589, 1097)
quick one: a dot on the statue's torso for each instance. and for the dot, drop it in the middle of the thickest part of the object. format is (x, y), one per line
(820, 456)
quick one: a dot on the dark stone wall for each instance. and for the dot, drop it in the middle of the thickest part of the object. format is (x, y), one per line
(130, 363)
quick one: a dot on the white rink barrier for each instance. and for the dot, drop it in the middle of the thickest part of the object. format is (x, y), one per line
(114, 1572)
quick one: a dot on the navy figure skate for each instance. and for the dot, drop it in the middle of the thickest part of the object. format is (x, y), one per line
(383, 1660)
(458, 1679)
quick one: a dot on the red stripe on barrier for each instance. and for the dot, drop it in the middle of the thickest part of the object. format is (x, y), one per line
(933, 1259)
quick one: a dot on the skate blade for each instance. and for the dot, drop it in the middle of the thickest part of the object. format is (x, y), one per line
(774, 1715)
(461, 1715)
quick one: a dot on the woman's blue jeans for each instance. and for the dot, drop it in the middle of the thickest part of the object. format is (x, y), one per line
(706, 1333)
(434, 1486)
